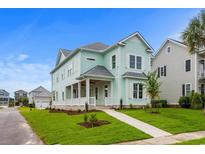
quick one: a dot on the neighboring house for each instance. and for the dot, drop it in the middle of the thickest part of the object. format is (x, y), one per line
(20, 94)
(102, 75)
(41, 97)
(179, 71)
(4, 97)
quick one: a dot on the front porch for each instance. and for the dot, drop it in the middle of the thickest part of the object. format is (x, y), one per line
(94, 92)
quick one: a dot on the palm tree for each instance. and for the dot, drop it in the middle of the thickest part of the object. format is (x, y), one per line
(194, 34)
(152, 85)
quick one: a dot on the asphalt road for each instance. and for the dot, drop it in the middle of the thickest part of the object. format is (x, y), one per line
(14, 130)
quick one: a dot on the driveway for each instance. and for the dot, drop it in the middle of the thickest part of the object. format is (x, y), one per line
(14, 129)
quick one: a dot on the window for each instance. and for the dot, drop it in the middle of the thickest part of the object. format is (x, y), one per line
(139, 62)
(91, 59)
(63, 96)
(162, 71)
(135, 62)
(186, 89)
(140, 91)
(106, 90)
(132, 61)
(113, 61)
(137, 90)
(168, 49)
(62, 76)
(135, 85)
(57, 79)
(188, 65)
(56, 96)
(70, 69)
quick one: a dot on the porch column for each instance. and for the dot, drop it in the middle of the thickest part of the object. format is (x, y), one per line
(71, 94)
(88, 90)
(111, 92)
(79, 92)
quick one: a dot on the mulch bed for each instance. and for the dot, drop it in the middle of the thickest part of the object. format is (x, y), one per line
(72, 112)
(96, 124)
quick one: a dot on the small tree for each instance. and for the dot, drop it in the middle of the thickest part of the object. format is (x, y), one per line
(152, 87)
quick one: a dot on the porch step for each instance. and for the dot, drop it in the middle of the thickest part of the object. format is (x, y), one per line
(99, 107)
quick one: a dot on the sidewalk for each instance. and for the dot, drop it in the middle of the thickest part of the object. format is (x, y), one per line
(148, 129)
(172, 139)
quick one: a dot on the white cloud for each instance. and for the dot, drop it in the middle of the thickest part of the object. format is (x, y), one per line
(15, 75)
(22, 57)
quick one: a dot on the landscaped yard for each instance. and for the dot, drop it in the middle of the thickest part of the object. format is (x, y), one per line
(193, 142)
(173, 120)
(60, 128)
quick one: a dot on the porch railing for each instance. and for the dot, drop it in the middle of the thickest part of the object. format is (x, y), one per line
(81, 101)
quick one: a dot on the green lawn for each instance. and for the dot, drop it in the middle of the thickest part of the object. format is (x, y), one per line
(193, 142)
(173, 120)
(59, 128)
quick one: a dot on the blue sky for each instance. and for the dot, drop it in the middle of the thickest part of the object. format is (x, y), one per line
(30, 38)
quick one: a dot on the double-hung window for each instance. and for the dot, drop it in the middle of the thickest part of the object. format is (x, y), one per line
(135, 62)
(132, 61)
(139, 62)
(137, 90)
(113, 61)
(186, 89)
(188, 65)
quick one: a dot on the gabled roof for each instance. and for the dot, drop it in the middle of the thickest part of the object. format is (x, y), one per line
(134, 75)
(20, 91)
(98, 46)
(63, 52)
(122, 41)
(97, 71)
(41, 91)
(4, 91)
(173, 41)
(101, 48)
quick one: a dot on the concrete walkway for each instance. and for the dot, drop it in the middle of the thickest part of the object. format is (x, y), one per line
(172, 139)
(14, 129)
(148, 129)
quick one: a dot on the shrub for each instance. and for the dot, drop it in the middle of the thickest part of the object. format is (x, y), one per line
(184, 102)
(11, 104)
(78, 110)
(93, 119)
(85, 118)
(196, 102)
(86, 107)
(17, 103)
(131, 106)
(159, 103)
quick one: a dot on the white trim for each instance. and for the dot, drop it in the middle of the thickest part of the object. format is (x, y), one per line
(190, 65)
(140, 36)
(136, 55)
(190, 88)
(165, 42)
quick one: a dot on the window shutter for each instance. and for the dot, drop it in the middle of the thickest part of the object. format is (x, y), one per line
(183, 90)
(165, 70)
(158, 72)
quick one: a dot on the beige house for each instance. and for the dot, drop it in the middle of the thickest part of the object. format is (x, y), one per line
(41, 97)
(179, 71)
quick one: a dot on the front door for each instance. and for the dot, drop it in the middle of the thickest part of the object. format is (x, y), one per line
(106, 94)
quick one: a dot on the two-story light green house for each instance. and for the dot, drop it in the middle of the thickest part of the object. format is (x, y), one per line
(102, 75)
